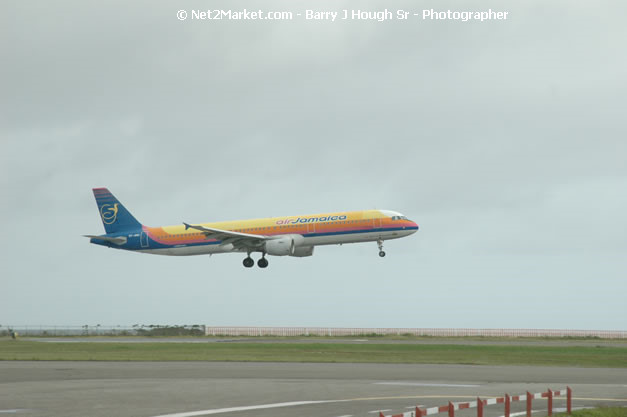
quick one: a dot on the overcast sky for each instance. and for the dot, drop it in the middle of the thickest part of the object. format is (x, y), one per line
(506, 141)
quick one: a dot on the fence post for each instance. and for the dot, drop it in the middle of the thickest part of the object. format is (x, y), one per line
(507, 400)
(529, 403)
(451, 409)
(569, 400)
(479, 407)
(550, 403)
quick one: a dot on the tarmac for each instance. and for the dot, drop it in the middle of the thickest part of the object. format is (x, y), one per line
(235, 389)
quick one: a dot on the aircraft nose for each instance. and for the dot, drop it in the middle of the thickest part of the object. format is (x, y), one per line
(414, 226)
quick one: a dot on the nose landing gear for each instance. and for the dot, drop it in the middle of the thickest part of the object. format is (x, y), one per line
(380, 245)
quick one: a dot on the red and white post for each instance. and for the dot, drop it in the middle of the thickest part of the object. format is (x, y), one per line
(550, 403)
(569, 400)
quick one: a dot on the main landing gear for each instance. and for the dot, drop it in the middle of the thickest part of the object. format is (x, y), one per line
(261, 263)
(381, 251)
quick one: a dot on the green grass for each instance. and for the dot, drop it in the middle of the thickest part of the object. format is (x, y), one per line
(582, 356)
(598, 412)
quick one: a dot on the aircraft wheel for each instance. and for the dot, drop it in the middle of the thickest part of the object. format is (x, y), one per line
(381, 254)
(248, 262)
(262, 263)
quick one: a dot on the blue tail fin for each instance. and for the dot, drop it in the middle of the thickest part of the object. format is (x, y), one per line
(115, 217)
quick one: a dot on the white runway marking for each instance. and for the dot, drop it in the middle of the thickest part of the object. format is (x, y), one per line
(296, 403)
(522, 413)
(245, 408)
(377, 411)
(424, 384)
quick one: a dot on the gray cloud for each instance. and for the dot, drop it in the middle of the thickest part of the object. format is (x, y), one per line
(504, 140)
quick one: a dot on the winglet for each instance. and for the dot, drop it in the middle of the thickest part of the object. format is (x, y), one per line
(187, 226)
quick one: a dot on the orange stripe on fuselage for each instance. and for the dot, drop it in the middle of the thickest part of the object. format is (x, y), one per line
(345, 222)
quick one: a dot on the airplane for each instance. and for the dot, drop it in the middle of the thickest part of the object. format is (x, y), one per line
(276, 236)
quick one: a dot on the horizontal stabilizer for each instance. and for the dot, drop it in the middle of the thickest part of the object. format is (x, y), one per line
(118, 240)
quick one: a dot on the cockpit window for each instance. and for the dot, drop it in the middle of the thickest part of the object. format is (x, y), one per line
(394, 218)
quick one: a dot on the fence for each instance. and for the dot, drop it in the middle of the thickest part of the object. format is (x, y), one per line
(480, 404)
(199, 330)
(334, 331)
(103, 330)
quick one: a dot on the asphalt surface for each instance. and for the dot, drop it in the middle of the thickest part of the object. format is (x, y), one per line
(188, 389)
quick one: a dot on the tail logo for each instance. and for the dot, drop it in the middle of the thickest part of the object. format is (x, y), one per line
(109, 213)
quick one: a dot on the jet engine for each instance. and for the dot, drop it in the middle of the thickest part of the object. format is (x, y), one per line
(303, 251)
(283, 246)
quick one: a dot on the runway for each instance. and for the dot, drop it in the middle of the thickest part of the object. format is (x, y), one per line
(186, 389)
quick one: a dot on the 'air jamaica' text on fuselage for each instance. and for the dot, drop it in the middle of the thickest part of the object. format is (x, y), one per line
(311, 219)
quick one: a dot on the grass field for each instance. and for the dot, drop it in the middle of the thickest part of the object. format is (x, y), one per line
(597, 412)
(580, 356)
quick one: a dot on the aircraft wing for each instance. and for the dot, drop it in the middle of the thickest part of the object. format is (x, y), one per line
(238, 239)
